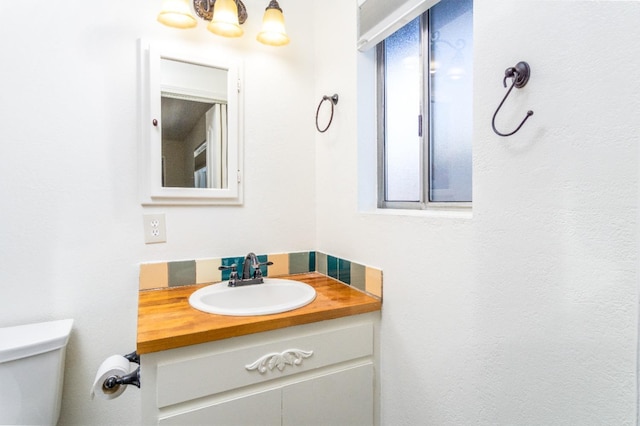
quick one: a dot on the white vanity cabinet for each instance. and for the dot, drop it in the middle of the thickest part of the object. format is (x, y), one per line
(322, 373)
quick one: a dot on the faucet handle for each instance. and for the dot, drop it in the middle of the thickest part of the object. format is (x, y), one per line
(234, 270)
(233, 277)
(233, 267)
(257, 271)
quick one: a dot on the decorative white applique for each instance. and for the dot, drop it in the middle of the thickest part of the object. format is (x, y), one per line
(279, 360)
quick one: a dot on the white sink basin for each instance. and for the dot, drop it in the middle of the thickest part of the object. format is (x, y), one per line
(275, 295)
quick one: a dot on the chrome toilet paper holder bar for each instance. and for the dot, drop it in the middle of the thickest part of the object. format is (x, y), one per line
(132, 378)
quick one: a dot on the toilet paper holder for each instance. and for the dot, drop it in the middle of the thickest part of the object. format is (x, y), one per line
(132, 378)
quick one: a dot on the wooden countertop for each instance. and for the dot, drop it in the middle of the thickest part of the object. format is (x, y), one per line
(167, 321)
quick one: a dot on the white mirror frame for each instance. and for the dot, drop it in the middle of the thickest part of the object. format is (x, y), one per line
(150, 138)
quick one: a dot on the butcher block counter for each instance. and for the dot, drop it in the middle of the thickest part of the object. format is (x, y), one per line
(167, 321)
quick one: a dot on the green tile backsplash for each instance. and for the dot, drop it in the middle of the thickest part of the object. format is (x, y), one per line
(358, 276)
(344, 271)
(321, 263)
(200, 271)
(182, 273)
(299, 263)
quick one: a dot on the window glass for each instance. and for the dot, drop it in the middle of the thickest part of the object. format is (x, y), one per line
(450, 110)
(402, 100)
(426, 107)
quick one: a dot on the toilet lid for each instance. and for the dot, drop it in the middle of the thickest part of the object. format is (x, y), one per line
(31, 339)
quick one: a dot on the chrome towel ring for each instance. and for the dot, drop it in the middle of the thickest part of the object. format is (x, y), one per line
(334, 101)
(520, 75)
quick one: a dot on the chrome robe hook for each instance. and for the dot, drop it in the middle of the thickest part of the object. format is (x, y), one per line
(520, 75)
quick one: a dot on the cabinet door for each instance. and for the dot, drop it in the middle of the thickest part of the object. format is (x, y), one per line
(259, 409)
(339, 398)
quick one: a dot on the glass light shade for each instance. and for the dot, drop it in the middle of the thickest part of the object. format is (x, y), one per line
(273, 32)
(225, 19)
(177, 14)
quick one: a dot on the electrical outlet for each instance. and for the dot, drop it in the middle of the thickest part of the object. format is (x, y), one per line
(154, 229)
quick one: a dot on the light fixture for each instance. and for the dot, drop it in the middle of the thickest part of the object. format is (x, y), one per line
(273, 32)
(225, 18)
(176, 13)
(456, 66)
(457, 69)
(225, 21)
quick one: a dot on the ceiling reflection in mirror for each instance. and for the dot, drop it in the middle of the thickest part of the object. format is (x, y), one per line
(194, 125)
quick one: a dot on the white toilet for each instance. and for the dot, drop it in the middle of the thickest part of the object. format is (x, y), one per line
(32, 372)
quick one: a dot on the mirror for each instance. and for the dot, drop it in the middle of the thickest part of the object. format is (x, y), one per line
(194, 125)
(190, 129)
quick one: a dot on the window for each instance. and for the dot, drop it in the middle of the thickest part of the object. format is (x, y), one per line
(425, 109)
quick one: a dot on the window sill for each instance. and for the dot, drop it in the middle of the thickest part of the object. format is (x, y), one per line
(433, 212)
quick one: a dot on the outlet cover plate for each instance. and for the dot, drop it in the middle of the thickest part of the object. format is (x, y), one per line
(155, 230)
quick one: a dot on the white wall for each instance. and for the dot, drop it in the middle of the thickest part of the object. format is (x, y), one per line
(71, 229)
(524, 313)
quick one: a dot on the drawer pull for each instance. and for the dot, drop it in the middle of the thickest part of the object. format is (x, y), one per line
(279, 360)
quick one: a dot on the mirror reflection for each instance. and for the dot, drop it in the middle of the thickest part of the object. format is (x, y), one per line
(194, 125)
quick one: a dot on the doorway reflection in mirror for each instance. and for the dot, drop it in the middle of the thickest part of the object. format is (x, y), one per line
(194, 143)
(194, 125)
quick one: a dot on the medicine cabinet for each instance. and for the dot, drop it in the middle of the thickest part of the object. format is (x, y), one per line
(190, 128)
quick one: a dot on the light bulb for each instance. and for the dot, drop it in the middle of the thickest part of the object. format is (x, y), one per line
(176, 14)
(273, 31)
(225, 19)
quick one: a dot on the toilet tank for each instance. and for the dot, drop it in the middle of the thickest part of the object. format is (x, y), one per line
(32, 372)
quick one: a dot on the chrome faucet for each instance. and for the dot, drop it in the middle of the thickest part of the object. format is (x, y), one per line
(247, 278)
(251, 261)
